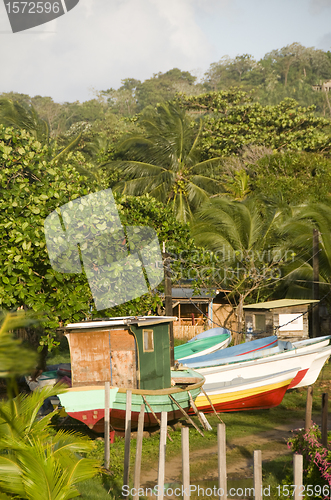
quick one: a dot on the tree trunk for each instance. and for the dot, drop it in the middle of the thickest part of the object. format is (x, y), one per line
(240, 317)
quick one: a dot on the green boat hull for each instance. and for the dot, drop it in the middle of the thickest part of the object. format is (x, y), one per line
(87, 404)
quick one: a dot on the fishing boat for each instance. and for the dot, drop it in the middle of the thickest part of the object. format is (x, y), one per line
(247, 349)
(132, 354)
(204, 343)
(240, 394)
(310, 363)
(308, 356)
(247, 352)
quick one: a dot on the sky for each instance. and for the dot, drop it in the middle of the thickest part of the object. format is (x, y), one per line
(101, 42)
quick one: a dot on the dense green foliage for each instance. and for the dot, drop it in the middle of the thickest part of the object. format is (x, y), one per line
(233, 120)
(296, 177)
(257, 116)
(31, 189)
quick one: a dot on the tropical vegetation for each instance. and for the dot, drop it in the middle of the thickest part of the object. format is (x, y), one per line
(35, 461)
(239, 158)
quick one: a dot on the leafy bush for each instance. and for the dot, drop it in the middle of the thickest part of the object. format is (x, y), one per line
(316, 459)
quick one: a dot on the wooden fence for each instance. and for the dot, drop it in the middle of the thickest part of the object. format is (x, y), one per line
(221, 450)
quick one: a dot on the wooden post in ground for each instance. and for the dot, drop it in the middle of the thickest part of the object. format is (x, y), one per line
(325, 400)
(316, 275)
(139, 446)
(127, 439)
(161, 468)
(309, 406)
(221, 449)
(186, 462)
(298, 476)
(107, 427)
(258, 474)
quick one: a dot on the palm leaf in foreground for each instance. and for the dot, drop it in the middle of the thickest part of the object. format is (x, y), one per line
(35, 462)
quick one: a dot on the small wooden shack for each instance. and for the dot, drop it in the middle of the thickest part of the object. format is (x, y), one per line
(200, 311)
(131, 352)
(287, 318)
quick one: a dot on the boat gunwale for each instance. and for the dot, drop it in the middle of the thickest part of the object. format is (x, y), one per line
(139, 392)
(290, 353)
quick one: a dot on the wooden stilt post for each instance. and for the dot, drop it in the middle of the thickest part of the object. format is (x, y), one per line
(309, 406)
(221, 448)
(211, 404)
(127, 439)
(137, 465)
(195, 409)
(325, 398)
(186, 462)
(315, 307)
(298, 476)
(186, 415)
(258, 474)
(154, 415)
(163, 443)
(107, 427)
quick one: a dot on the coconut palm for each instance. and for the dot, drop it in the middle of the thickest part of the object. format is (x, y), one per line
(299, 233)
(247, 245)
(164, 161)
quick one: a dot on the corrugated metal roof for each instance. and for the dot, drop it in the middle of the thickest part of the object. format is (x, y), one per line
(273, 304)
(188, 293)
(123, 320)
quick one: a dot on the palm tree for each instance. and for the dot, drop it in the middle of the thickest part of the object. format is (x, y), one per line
(245, 240)
(299, 233)
(165, 161)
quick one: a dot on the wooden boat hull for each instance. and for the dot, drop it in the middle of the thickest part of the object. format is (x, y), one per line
(310, 362)
(211, 341)
(255, 394)
(87, 404)
(228, 356)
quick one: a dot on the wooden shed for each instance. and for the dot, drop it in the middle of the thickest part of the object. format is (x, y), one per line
(197, 312)
(131, 352)
(287, 318)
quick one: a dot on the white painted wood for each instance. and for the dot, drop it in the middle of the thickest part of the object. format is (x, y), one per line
(221, 448)
(258, 474)
(162, 451)
(139, 446)
(186, 462)
(107, 426)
